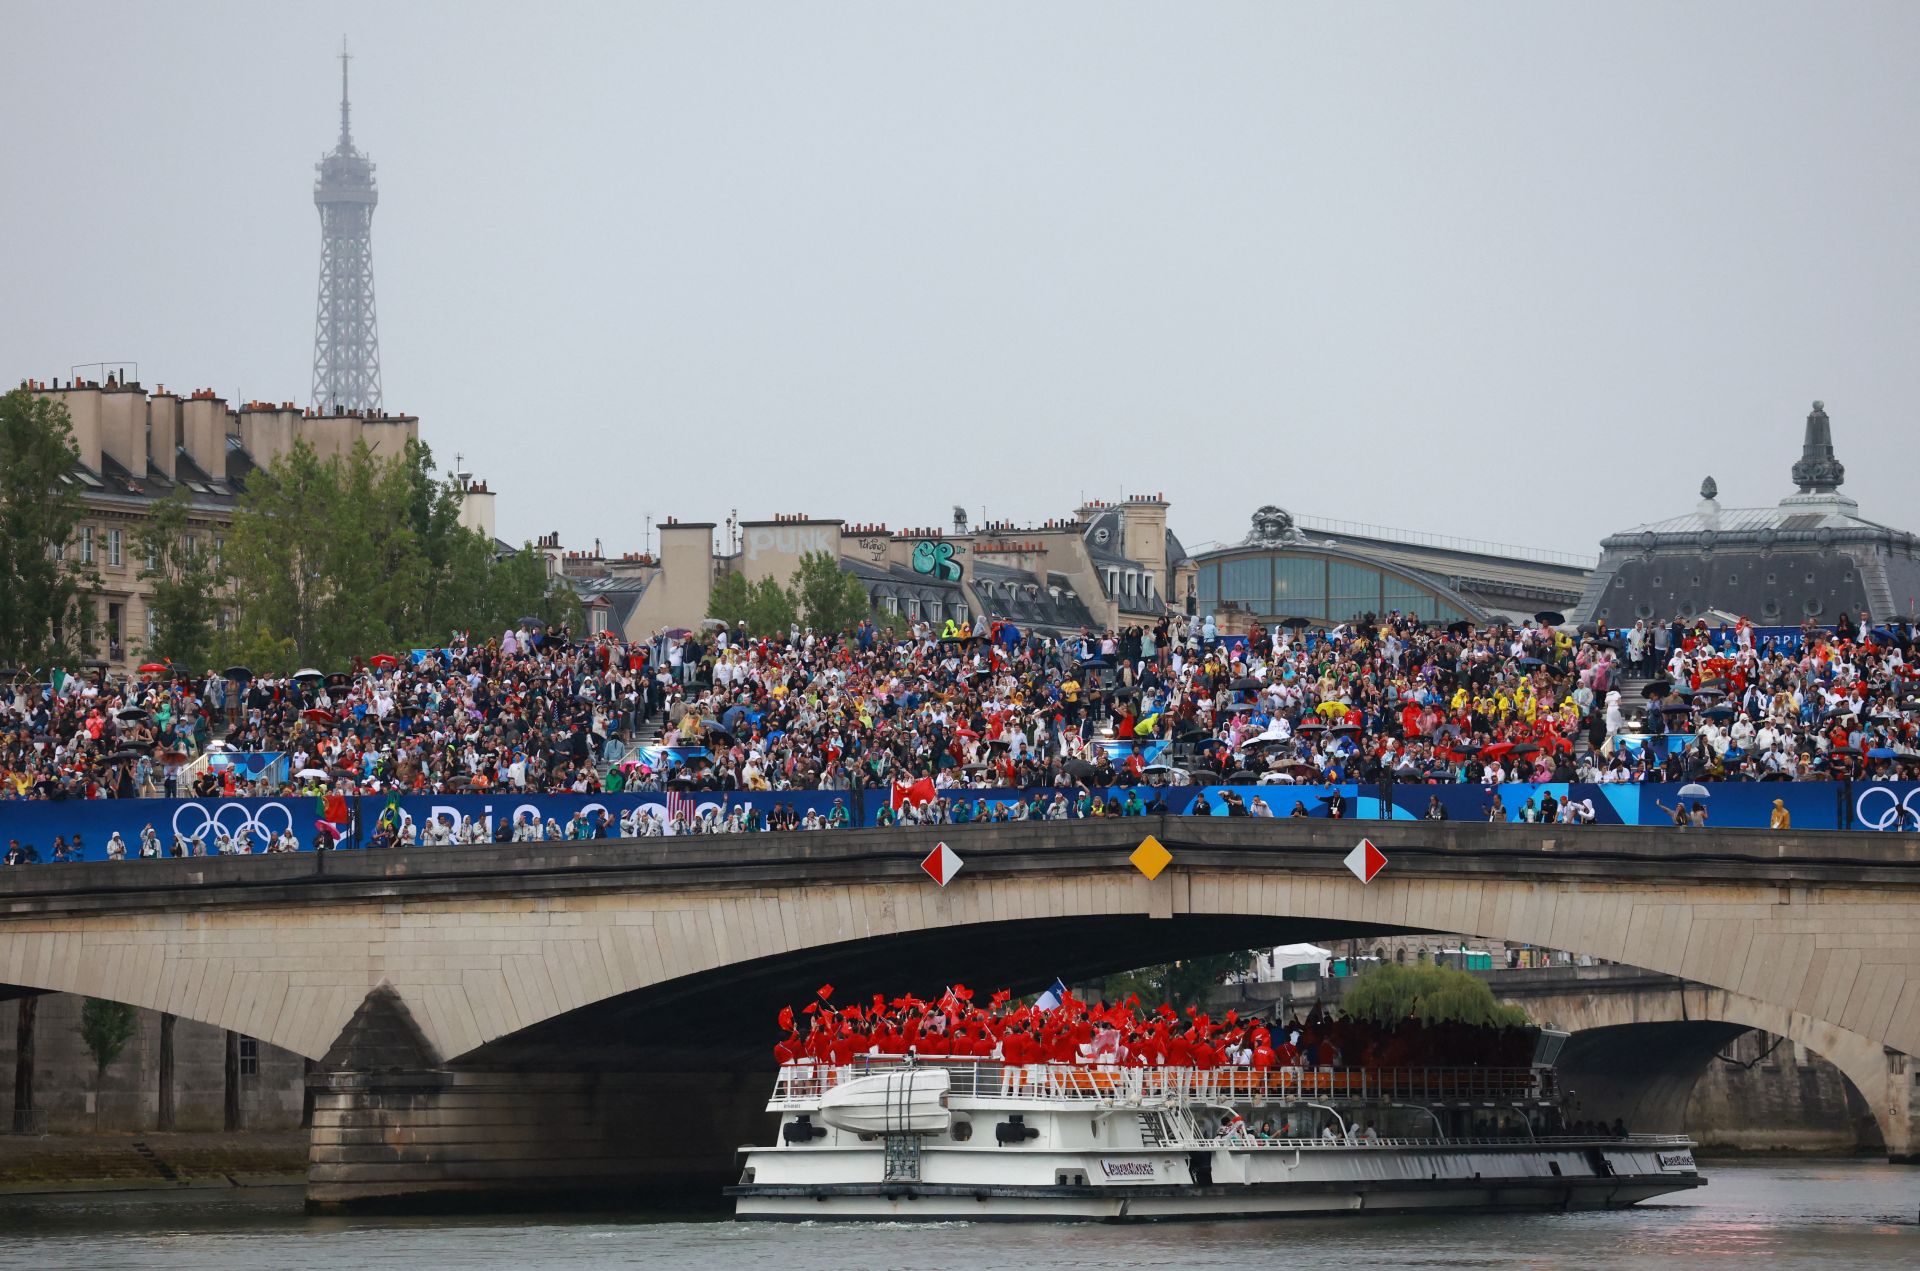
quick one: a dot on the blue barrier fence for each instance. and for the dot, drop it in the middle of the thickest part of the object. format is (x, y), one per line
(1812, 805)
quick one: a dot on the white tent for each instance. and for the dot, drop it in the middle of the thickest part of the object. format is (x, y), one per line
(1272, 964)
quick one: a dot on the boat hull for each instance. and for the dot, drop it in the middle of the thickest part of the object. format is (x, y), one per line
(949, 1202)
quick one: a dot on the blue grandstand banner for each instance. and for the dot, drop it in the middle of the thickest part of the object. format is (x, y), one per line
(1812, 805)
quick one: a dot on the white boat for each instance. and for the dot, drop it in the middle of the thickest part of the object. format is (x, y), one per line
(953, 1139)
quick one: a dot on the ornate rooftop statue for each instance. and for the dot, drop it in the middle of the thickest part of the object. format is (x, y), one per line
(1818, 472)
(1274, 527)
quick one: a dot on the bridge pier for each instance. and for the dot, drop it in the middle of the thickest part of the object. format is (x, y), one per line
(395, 1129)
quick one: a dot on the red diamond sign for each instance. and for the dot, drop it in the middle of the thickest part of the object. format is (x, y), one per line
(1366, 861)
(942, 863)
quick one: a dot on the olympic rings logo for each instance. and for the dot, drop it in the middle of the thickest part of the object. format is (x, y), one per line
(1888, 811)
(255, 822)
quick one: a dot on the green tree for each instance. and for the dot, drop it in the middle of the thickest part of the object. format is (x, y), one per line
(765, 608)
(352, 555)
(105, 1028)
(1387, 993)
(187, 582)
(729, 599)
(45, 590)
(830, 599)
(770, 608)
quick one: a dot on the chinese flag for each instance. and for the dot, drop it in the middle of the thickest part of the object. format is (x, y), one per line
(912, 792)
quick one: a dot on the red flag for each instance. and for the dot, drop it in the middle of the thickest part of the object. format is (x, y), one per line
(825, 991)
(786, 1017)
(912, 792)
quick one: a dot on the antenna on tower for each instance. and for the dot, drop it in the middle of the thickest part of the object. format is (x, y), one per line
(346, 133)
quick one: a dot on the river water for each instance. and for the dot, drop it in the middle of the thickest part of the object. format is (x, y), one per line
(1758, 1217)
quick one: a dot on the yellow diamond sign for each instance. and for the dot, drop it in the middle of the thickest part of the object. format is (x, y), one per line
(1150, 858)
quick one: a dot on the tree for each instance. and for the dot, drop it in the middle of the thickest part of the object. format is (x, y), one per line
(729, 599)
(1388, 993)
(333, 559)
(830, 598)
(45, 590)
(105, 1027)
(186, 579)
(764, 608)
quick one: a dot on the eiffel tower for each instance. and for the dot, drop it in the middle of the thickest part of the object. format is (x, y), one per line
(346, 340)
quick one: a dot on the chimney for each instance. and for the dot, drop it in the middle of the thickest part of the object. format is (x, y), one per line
(163, 433)
(123, 428)
(203, 428)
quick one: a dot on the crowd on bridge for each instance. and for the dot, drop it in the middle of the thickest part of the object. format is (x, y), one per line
(1105, 717)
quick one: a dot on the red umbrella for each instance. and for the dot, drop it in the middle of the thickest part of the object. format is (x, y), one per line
(317, 715)
(1496, 750)
(154, 668)
(383, 661)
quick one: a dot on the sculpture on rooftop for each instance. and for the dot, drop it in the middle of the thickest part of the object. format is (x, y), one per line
(1274, 527)
(1818, 472)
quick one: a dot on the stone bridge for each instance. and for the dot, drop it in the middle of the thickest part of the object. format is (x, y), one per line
(599, 1015)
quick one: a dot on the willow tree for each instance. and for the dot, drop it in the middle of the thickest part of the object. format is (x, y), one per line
(1388, 993)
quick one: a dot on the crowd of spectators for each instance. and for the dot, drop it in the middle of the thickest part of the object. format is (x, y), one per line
(1369, 700)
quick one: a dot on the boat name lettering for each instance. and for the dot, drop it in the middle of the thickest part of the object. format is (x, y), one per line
(1675, 1160)
(1127, 1169)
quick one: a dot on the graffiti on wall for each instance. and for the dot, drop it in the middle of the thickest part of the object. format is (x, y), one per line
(937, 559)
(786, 540)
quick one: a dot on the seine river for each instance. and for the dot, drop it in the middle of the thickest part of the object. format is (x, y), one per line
(1753, 1216)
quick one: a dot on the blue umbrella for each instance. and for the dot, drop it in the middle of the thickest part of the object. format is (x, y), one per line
(1882, 752)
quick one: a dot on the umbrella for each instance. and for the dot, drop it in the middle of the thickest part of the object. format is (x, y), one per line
(1246, 684)
(122, 756)
(1346, 728)
(309, 673)
(1656, 689)
(1495, 750)
(1673, 708)
(13, 673)
(1531, 662)
(383, 661)
(1526, 748)
(154, 668)
(338, 679)
(1310, 726)
(1719, 712)
(1296, 622)
(1078, 768)
(237, 673)
(1300, 769)
(98, 664)
(1883, 752)
(1460, 628)
(174, 756)
(131, 713)
(1550, 617)
(531, 620)
(1694, 790)
(311, 774)
(676, 633)
(317, 715)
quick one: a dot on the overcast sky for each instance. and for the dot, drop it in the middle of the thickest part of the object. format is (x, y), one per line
(1521, 272)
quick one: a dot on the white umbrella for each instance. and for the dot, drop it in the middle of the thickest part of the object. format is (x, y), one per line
(1694, 790)
(305, 773)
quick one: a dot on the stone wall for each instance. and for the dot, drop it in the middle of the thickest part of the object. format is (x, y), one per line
(1763, 1093)
(272, 1081)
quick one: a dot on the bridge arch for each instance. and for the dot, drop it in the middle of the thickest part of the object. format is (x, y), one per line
(1638, 1055)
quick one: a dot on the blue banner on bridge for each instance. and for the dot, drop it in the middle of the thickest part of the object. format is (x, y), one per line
(255, 822)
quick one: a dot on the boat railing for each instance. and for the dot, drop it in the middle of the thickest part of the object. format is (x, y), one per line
(802, 1082)
(1251, 1140)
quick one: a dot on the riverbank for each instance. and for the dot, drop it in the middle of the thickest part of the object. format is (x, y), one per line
(149, 1162)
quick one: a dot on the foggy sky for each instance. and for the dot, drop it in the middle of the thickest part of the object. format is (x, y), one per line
(1519, 272)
